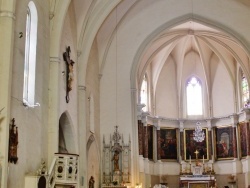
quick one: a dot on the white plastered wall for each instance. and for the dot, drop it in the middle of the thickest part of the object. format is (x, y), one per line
(31, 122)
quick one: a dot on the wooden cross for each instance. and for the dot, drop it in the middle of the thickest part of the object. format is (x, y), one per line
(196, 153)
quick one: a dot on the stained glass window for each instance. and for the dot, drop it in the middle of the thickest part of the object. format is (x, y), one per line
(144, 93)
(194, 97)
(245, 90)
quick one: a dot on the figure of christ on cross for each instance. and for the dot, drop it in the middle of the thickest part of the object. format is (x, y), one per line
(69, 72)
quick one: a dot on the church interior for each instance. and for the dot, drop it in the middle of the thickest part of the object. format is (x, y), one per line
(124, 93)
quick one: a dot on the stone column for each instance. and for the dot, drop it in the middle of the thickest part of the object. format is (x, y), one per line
(234, 120)
(7, 18)
(157, 145)
(135, 116)
(181, 143)
(210, 140)
(54, 92)
(82, 135)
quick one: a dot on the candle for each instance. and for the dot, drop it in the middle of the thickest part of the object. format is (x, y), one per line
(203, 159)
(189, 159)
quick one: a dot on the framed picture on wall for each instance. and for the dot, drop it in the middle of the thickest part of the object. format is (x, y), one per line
(150, 142)
(243, 129)
(191, 146)
(168, 143)
(224, 142)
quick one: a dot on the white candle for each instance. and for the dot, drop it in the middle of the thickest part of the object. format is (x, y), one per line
(189, 159)
(203, 159)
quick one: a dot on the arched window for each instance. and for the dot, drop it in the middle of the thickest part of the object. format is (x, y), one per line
(30, 56)
(144, 93)
(245, 91)
(194, 97)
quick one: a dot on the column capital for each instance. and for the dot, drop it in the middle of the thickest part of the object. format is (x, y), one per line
(157, 122)
(55, 59)
(234, 119)
(181, 125)
(209, 124)
(144, 119)
(8, 14)
(82, 88)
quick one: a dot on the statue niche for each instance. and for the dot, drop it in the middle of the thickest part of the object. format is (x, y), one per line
(116, 161)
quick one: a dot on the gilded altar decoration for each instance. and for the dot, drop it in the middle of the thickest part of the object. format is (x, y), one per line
(13, 142)
(69, 72)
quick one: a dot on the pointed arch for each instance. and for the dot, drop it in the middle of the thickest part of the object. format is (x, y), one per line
(66, 134)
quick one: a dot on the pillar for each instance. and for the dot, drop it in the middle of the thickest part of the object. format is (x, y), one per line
(181, 143)
(157, 124)
(135, 161)
(54, 92)
(7, 18)
(82, 136)
(210, 140)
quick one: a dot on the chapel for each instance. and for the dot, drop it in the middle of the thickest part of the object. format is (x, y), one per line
(124, 93)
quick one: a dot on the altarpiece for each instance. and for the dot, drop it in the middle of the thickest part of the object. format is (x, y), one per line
(116, 161)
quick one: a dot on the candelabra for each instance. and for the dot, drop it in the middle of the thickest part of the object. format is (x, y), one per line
(199, 135)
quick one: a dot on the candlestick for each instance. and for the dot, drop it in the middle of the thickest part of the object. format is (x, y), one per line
(203, 159)
(189, 159)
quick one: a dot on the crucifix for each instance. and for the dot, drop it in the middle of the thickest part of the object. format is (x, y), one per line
(69, 72)
(196, 153)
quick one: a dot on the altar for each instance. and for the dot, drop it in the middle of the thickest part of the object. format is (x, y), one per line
(193, 181)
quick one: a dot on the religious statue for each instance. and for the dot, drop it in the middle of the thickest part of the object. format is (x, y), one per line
(13, 142)
(69, 72)
(91, 182)
(116, 160)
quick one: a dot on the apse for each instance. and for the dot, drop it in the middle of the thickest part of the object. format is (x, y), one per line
(192, 50)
